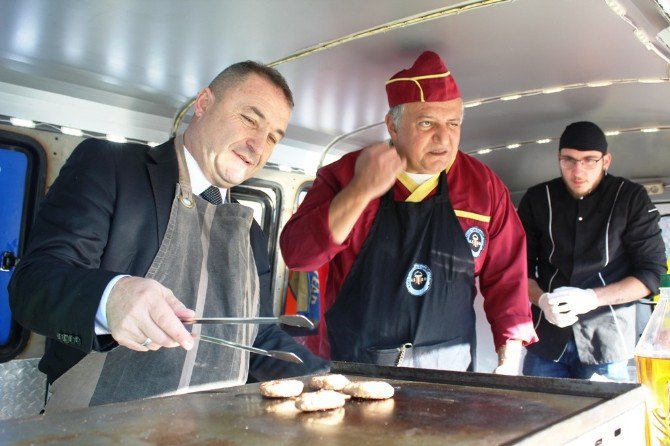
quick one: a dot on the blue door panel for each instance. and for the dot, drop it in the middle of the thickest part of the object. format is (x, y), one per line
(22, 181)
(13, 171)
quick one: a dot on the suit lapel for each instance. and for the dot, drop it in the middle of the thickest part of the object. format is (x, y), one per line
(164, 175)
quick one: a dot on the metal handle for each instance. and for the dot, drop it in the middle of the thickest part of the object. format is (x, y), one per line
(284, 356)
(9, 261)
(297, 320)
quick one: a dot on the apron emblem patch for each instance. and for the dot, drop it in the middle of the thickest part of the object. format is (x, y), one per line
(476, 239)
(418, 279)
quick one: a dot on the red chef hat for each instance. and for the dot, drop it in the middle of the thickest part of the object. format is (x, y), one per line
(427, 81)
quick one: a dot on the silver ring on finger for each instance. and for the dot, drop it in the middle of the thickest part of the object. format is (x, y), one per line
(146, 342)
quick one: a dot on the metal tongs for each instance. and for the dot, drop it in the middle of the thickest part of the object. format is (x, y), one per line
(292, 320)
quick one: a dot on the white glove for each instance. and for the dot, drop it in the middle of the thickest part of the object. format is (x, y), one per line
(553, 313)
(574, 301)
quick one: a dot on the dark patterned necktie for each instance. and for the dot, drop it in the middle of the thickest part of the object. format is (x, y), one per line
(213, 195)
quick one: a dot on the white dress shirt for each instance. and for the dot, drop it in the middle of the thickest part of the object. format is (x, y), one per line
(198, 184)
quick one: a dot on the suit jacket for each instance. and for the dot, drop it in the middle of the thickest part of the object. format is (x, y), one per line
(105, 215)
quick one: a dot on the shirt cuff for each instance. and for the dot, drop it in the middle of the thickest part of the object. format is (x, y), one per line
(101, 327)
(514, 327)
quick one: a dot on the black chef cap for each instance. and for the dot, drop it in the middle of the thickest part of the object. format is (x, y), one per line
(583, 135)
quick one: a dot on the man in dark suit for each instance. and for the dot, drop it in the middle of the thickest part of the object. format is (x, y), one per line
(123, 250)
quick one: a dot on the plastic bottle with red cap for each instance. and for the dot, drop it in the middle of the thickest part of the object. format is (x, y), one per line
(652, 356)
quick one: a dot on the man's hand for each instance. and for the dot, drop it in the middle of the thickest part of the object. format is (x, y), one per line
(375, 173)
(552, 312)
(139, 309)
(509, 358)
(574, 301)
(376, 170)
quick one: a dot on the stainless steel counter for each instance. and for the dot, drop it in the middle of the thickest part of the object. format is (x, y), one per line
(429, 408)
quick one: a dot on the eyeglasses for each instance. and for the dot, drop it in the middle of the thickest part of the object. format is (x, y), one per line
(570, 163)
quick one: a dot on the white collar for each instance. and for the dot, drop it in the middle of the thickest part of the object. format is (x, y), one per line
(420, 178)
(198, 181)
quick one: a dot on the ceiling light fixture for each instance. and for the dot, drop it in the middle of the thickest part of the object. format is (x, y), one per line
(116, 138)
(567, 87)
(508, 97)
(616, 7)
(22, 122)
(522, 144)
(54, 128)
(651, 81)
(71, 131)
(511, 97)
(599, 84)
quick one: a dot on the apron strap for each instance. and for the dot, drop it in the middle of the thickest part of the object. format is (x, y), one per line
(185, 195)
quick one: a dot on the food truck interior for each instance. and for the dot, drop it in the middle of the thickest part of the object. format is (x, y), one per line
(128, 69)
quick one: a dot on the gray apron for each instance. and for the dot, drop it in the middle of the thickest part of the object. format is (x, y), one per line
(205, 258)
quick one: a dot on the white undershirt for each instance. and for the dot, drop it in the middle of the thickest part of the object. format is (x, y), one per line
(198, 181)
(420, 178)
(198, 184)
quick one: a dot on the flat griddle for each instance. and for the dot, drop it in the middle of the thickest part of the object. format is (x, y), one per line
(429, 408)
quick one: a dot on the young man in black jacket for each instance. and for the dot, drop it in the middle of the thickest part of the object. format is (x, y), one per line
(594, 249)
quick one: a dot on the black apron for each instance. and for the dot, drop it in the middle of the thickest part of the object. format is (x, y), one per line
(408, 298)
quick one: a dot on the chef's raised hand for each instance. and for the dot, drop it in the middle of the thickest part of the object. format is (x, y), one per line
(571, 300)
(376, 170)
(144, 315)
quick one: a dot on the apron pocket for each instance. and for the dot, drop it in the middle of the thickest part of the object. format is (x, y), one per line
(453, 354)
